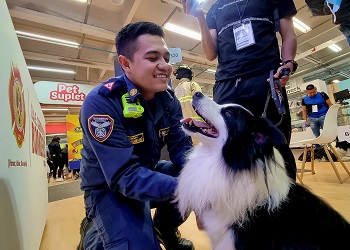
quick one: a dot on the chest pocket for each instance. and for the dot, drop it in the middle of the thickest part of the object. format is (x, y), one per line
(148, 138)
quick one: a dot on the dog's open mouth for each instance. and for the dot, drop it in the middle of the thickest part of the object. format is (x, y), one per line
(195, 126)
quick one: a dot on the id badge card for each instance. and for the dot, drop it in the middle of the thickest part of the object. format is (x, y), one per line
(244, 35)
(314, 108)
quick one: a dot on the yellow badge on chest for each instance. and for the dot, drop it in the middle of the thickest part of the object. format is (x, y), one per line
(136, 139)
(163, 132)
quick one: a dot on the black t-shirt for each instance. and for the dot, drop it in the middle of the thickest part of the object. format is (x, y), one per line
(261, 57)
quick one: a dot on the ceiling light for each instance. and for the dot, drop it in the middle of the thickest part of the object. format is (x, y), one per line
(335, 81)
(300, 25)
(334, 47)
(65, 71)
(117, 2)
(54, 109)
(183, 31)
(47, 38)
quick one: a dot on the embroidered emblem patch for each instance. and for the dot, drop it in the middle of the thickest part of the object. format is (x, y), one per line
(136, 139)
(163, 132)
(109, 85)
(100, 127)
(133, 92)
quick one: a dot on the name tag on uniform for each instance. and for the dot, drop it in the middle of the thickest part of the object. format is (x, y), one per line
(136, 139)
(314, 108)
(244, 35)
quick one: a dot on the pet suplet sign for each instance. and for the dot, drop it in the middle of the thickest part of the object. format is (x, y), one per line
(61, 93)
(23, 182)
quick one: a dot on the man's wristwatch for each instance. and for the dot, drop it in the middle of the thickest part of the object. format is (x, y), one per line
(295, 65)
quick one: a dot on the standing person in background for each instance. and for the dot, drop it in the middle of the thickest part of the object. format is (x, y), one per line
(55, 152)
(184, 92)
(314, 108)
(64, 153)
(242, 35)
(126, 121)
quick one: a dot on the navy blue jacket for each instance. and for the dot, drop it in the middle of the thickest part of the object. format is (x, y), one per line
(120, 153)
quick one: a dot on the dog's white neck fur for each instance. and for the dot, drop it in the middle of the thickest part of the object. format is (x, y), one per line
(223, 198)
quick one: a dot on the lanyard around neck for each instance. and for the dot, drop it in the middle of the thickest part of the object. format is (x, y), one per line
(239, 13)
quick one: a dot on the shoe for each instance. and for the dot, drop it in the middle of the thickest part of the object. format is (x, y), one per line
(173, 240)
(59, 179)
(85, 225)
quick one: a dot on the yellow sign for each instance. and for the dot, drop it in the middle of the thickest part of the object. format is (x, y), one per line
(74, 137)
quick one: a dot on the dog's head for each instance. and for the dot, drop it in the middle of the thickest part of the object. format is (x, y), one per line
(242, 137)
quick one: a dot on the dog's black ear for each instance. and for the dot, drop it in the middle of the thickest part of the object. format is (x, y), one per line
(263, 137)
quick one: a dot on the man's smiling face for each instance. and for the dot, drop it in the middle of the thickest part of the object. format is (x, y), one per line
(149, 69)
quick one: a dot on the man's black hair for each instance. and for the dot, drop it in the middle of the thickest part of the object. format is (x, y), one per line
(126, 39)
(310, 87)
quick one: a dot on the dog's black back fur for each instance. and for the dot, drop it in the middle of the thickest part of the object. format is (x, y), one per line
(303, 222)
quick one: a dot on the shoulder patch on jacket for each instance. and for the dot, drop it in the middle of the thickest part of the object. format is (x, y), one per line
(108, 85)
(100, 127)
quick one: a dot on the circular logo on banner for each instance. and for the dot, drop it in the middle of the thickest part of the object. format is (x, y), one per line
(17, 105)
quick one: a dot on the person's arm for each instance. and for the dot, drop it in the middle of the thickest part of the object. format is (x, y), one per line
(209, 36)
(289, 46)
(304, 112)
(209, 39)
(329, 103)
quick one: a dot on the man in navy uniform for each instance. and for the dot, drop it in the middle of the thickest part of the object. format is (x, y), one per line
(122, 139)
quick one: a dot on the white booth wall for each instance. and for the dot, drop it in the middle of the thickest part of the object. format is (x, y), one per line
(23, 179)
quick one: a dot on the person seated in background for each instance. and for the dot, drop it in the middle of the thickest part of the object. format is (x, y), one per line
(184, 92)
(126, 121)
(314, 108)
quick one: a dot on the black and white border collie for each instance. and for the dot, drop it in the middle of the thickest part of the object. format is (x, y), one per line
(236, 183)
(343, 149)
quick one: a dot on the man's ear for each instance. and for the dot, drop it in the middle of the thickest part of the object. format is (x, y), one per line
(124, 63)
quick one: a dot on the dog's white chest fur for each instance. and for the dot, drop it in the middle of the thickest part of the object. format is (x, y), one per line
(221, 237)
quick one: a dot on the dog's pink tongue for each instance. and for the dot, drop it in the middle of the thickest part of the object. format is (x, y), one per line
(195, 122)
(200, 124)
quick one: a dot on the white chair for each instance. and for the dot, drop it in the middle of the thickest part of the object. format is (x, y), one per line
(328, 135)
